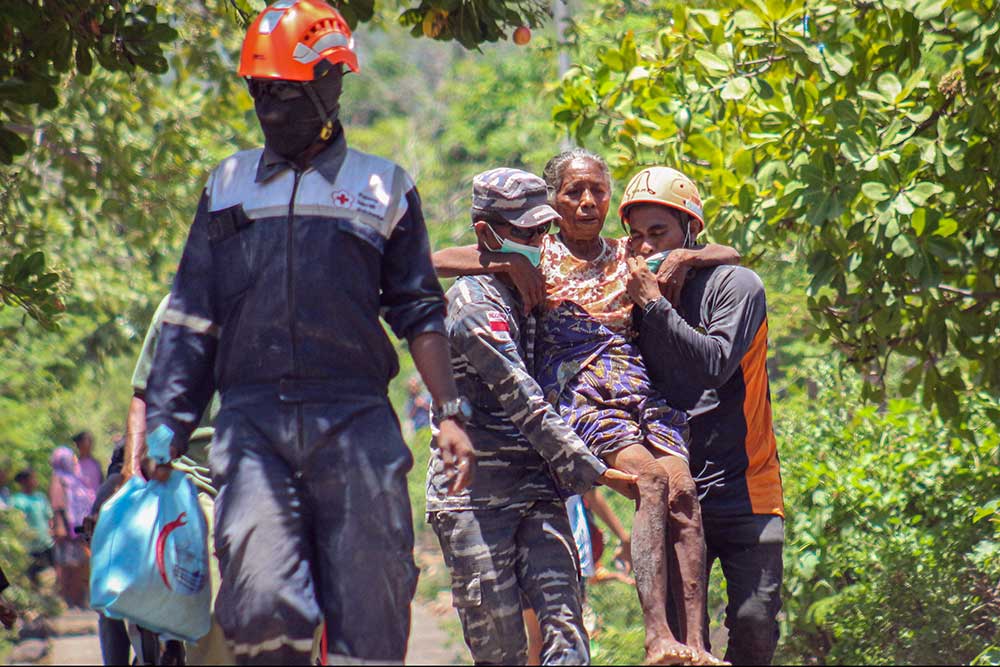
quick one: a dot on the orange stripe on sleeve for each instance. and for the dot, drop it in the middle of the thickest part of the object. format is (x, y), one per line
(763, 475)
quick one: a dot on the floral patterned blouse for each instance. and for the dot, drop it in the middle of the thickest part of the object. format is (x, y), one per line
(597, 285)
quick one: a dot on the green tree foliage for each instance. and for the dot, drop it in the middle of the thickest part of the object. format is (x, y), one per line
(859, 135)
(41, 46)
(47, 75)
(43, 42)
(892, 534)
(109, 173)
(108, 188)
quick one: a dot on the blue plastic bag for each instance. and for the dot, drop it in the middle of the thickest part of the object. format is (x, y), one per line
(581, 534)
(149, 561)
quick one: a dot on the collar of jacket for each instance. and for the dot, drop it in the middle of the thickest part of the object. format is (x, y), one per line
(327, 163)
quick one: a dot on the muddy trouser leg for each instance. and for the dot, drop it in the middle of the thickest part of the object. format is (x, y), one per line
(749, 549)
(355, 472)
(115, 644)
(548, 574)
(480, 550)
(145, 645)
(212, 648)
(267, 602)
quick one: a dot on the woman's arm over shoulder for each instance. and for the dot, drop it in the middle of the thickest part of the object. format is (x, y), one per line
(471, 261)
(467, 260)
(712, 254)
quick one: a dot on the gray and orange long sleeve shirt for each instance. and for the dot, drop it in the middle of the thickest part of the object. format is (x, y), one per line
(709, 357)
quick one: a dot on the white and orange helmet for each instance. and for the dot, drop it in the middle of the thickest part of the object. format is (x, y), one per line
(663, 186)
(290, 37)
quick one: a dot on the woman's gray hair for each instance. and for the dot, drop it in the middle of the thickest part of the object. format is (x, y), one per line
(556, 167)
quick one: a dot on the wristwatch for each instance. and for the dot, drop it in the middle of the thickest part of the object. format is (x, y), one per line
(458, 409)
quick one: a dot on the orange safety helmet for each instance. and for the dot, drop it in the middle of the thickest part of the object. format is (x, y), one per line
(289, 37)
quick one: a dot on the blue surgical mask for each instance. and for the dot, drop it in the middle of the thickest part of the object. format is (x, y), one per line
(533, 254)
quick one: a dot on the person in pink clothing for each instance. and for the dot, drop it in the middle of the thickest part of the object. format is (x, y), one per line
(71, 501)
(90, 469)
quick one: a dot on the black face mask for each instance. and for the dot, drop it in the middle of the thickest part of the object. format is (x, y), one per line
(292, 119)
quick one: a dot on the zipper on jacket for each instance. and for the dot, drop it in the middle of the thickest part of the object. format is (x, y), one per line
(290, 273)
(290, 258)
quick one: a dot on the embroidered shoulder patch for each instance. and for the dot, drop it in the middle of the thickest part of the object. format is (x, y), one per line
(498, 324)
(343, 198)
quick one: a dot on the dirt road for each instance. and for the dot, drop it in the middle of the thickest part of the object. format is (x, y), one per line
(76, 643)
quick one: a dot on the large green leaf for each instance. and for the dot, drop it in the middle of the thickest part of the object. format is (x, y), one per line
(736, 88)
(711, 62)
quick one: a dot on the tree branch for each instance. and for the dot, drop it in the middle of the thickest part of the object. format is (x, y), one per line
(969, 294)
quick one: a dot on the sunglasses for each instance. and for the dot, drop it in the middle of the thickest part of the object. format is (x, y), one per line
(281, 90)
(523, 233)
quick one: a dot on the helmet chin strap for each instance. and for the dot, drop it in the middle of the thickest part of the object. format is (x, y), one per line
(329, 117)
(327, 85)
(689, 240)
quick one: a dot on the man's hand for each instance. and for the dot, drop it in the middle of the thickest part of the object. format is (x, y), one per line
(161, 472)
(88, 525)
(641, 285)
(672, 274)
(526, 278)
(623, 555)
(622, 482)
(7, 614)
(457, 455)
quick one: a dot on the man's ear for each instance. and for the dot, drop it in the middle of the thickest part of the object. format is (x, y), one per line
(483, 235)
(697, 227)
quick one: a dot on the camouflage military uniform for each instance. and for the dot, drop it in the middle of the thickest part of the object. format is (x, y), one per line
(509, 532)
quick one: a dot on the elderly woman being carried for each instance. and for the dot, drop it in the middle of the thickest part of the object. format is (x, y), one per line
(590, 368)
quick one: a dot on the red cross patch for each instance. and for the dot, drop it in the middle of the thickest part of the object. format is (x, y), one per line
(343, 199)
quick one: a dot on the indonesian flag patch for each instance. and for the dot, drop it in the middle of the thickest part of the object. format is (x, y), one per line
(498, 323)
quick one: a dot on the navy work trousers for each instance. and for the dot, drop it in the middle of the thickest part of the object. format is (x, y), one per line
(313, 523)
(749, 548)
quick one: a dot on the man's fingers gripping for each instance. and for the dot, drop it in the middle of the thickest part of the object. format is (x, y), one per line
(463, 470)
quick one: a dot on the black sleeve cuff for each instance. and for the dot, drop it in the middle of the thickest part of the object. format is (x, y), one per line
(433, 324)
(654, 305)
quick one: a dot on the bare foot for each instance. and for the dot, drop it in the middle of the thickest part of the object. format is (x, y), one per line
(703, 657)
(668, 652)
(603, 575)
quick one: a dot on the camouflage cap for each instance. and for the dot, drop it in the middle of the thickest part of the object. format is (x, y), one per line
(518, 196)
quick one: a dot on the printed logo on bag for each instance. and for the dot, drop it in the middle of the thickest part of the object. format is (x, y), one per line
(186, 572)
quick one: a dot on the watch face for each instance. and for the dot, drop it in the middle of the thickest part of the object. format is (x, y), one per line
(465, 408)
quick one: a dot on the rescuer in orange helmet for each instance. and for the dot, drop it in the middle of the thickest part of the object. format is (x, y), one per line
(295, 250)
(293, 58)
(703, 338)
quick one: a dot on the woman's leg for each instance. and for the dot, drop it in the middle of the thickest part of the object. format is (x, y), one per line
(650, 537)
(687, 539)
(534, 636)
